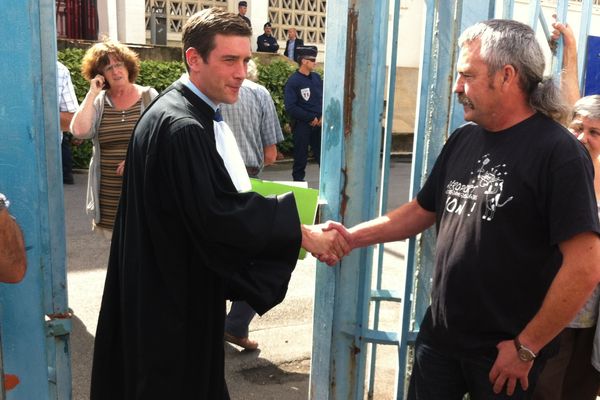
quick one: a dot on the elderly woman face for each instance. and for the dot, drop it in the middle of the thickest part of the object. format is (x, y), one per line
(115, 72)
(587, 131)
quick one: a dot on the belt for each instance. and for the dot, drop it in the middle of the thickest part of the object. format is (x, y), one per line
(253, 171)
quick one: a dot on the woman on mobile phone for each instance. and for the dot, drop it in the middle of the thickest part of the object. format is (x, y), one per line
(108, 115)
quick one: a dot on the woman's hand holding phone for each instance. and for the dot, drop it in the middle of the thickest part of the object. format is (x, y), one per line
(97, 84)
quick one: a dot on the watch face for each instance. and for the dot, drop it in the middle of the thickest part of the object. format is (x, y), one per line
(526, 355)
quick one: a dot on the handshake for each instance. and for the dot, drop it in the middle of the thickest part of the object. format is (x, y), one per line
(328, 242)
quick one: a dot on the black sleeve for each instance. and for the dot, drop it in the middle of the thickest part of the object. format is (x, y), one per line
(429, 193)
(571, 205)
(251, 241)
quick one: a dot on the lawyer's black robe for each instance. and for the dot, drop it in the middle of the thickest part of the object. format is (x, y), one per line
(184, 241)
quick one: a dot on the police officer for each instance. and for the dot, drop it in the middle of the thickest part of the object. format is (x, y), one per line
(303, 98)
(242, 9)
(267, 42)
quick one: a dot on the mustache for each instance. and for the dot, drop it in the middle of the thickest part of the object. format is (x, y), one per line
(464, 100)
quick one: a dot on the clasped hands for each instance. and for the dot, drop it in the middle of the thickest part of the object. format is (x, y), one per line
(328, 242)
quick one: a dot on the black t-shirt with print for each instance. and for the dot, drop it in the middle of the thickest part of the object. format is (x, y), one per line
(504, 201)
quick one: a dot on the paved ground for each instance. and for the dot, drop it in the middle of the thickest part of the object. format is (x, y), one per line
(280, 368)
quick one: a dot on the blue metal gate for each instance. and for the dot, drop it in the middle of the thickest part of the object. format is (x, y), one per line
(354, 173)
(34, 318)
(592, 72)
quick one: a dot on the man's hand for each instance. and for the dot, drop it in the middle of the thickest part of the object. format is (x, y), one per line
(315, 122)
(508, 369)
(566, 32)
(328, 246)
(341, 229)
(121, 168)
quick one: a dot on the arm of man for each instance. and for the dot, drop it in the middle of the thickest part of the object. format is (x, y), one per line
(405, 221)
(259, 44)
(270, 130)
(569, 81)
(577, 277)
(65, 120)
(67, 99)
(270, 154)
(13, 261)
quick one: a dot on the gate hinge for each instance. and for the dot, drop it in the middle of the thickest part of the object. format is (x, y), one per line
(59, 324)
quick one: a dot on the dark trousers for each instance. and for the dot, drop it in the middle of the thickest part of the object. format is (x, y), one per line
(570, 374)
(238, 319)
(304, 136)
(67, 157)
(440, 376)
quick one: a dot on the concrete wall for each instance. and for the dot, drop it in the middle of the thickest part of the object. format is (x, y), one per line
(146, 52)
(123, 20)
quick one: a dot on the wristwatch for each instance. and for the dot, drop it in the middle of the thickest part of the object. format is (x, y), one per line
(4, 203)
(525, 354)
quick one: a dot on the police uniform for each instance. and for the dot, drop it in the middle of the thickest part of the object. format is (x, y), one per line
(303, 98)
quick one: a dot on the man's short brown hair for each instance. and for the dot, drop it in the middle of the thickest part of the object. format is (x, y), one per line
(200, 30)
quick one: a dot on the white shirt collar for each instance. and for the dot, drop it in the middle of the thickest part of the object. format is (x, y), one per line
(185, 79)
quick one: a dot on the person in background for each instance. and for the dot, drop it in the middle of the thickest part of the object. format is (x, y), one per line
(67, 105)
(254, 123)
(107, 115)
(242, 10)
(13, 260)
(267, 42)
(189, 234)
(518, 242)
(292, 43)
(573, 372)
(303, 98)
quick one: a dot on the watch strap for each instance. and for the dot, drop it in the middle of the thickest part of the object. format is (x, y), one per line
(520, 349)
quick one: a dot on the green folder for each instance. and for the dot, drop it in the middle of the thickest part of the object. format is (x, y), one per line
(306, 200)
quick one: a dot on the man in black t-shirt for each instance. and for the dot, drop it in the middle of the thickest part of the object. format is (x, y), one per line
(512, 197)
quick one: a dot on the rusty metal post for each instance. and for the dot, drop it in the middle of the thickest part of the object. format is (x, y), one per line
(353, 112)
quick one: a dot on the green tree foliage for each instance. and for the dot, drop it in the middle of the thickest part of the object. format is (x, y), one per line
(160, 74)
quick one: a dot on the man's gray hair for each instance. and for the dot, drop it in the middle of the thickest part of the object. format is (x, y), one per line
(588, 106)
(507, 42)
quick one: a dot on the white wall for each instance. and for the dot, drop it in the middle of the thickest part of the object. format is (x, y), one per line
(410, 32)
(107, 18)
(131, 21)
(123, 20)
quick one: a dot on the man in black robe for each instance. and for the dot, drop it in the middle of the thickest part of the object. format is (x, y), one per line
(185, 239)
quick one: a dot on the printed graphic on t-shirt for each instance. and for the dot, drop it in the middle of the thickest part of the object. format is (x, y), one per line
(485, 185)
(305, 93)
